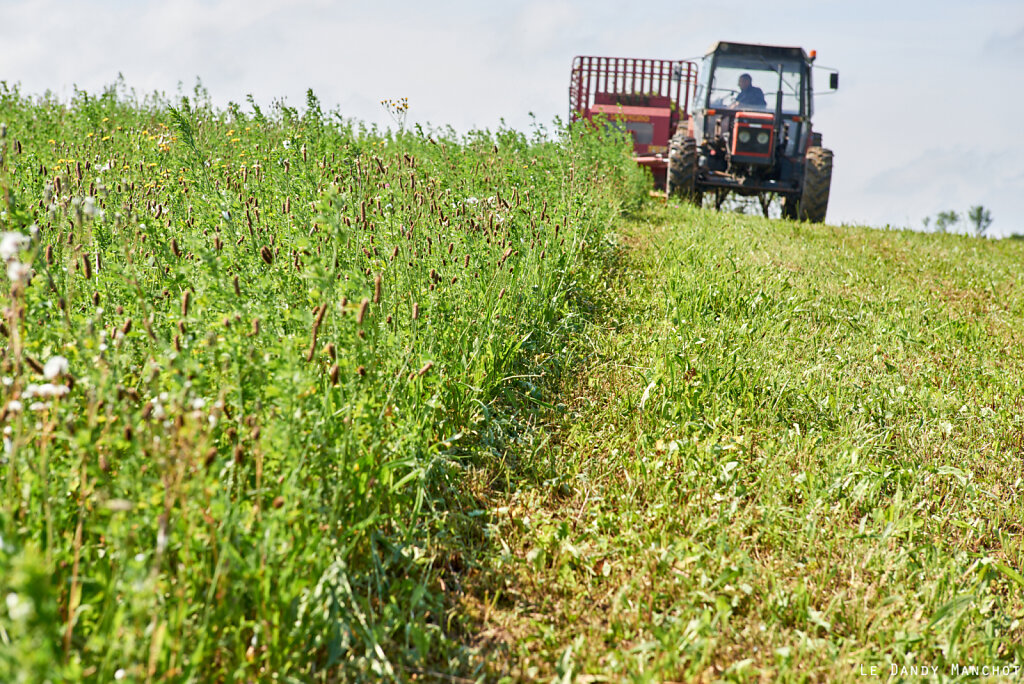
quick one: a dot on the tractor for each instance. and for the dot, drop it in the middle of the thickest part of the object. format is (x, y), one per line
(739, 124)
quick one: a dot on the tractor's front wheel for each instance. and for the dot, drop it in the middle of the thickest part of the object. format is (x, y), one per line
(817, 182)
(681, 179)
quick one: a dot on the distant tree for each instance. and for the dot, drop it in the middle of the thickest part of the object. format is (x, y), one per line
(945, 220)
(927, 222)
(981, 218)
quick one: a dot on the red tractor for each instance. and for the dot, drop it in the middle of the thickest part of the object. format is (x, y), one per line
(743, 127)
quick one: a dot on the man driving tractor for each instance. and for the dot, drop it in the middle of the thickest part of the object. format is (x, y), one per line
(749, 94)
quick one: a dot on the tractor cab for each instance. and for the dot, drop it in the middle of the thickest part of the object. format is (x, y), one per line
(752, 108)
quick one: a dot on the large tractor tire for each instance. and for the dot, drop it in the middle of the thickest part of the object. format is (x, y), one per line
(817, 182)
(681, 178)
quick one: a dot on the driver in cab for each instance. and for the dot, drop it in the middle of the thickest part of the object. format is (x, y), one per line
(749, 95)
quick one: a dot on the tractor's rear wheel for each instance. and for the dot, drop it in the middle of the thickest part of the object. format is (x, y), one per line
(681, 179)
(817, 182)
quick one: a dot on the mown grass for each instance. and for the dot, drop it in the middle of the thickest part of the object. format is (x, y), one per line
(794, 451)
(274, 343)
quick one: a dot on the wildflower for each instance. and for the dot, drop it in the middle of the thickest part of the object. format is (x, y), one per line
(14, 406)
(89, 208)
(45, 391)
(55, 367)
(11, 244)
(38, 406)
(17, 608)
(18, 271)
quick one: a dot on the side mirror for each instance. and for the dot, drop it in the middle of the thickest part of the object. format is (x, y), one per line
(833, 80)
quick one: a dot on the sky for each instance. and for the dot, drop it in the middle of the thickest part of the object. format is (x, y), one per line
(924, 119)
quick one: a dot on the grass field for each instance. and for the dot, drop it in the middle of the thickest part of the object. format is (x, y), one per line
(292, 399)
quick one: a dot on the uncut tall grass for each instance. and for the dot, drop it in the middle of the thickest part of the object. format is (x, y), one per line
(286, 339)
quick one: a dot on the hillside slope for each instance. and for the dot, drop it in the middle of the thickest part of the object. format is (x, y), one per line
(287, 397)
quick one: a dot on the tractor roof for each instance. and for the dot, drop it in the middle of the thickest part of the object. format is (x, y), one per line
(773, 51)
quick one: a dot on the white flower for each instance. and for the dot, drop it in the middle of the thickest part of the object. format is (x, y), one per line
(286, 144)
(51, 390)
(17, 271)
(198, 403)
(38, 406)
(11, 244)
(17, 608)
(472, 200)
(90, 208)
(14, 406)
(120, 674)
(55, 367)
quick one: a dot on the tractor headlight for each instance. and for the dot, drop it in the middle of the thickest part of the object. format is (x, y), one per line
(762, 138)
(744, 136)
